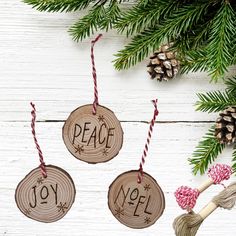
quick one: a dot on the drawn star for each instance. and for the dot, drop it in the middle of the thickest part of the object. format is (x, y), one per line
(101, 118)
(62, 207)
(147, 220)
(40, 180)
(147, 187)
(79, 149)
(27, 212)
(119, 212)
(105, 152)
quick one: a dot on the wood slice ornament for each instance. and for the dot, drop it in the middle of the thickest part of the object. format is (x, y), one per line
(136, 205)
(134, 197)
(47, 193)
(45, 199)
(93, 138)
(92, 133)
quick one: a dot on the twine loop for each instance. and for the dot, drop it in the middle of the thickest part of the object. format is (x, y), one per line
(219, 172)
(95, 103)
(145, 151)
(41, 158)
(186, 197)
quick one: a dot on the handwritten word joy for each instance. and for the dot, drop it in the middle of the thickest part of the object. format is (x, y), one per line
(134, 198)
(88, 134)
(43, 194)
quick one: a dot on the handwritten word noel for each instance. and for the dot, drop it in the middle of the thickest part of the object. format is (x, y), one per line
(134, 198)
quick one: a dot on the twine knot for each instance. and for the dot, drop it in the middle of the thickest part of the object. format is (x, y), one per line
(186, 197)
(219, 172)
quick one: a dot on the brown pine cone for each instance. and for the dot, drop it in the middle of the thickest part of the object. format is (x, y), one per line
(225, 128)
(163, 64)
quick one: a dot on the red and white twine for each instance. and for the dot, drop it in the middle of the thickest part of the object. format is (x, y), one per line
(145, 151)
(95, 103)
(219, 172)
(42, 163)
(186, 197)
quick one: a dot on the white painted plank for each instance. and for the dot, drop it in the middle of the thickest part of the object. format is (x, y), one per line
(39, 62)
(57, 96)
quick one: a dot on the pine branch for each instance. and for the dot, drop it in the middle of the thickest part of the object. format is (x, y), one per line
(144, 15)
(88, 24)
(234, 50)
(147, 41)
(234, 159)
(215, 101)
(194, 60)
(201, 34)
(112, 12)
(206, 152)
(137, 50)
(231, 86)
(59, 5)
(221, 41)
(144, 2)
(191, 47)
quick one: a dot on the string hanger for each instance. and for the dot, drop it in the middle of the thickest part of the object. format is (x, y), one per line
(41, 158)
(145, 151)
(95, 103)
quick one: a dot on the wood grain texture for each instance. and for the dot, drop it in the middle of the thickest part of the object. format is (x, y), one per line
(39, 62)
(93, 138)
(136, 205)
(45, 199)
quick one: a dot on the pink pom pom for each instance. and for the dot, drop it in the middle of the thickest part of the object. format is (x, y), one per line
(219, 172)
(186, 197)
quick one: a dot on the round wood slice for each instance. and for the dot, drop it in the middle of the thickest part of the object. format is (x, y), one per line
(93, 138)
(136, 205)
(45, 199)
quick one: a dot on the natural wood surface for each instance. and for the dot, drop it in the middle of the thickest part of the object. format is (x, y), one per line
(39, 62)
(93, 138)
(136, 205)
(45, 199)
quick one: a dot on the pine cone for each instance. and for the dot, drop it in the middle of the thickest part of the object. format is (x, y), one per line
(226, 126)
(163, 64)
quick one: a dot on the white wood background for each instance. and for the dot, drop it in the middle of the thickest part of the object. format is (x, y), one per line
(39, 62)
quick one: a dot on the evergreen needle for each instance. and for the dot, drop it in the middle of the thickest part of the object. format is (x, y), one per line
(215, 101)
(206, 152)
(234, 159)
(203, 31)
(59, 5)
